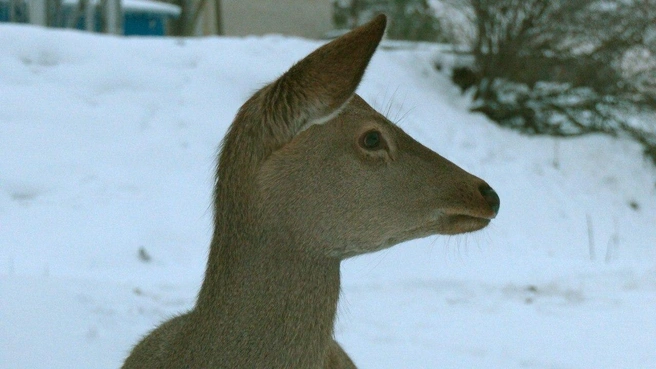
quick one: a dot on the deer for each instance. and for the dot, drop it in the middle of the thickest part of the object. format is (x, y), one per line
(308, 175)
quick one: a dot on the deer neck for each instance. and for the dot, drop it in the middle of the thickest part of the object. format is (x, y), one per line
(264, 299)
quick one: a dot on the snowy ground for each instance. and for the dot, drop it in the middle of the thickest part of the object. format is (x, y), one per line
(107, 146)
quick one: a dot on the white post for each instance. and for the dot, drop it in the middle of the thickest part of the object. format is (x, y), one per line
(90, 15)
(37, 10)
(114, 17)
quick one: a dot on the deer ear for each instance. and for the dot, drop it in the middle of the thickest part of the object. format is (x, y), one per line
(318, 86)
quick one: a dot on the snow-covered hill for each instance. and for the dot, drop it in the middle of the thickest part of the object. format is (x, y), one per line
(107, 147)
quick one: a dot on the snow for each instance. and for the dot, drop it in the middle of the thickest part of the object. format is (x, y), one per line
(107, 146)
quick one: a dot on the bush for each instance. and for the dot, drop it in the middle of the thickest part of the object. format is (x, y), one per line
(565, 68)
(412, 20)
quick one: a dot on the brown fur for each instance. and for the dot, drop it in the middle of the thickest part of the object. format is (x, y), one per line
(293, 198)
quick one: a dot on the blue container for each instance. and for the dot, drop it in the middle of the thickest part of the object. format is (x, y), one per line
(142, 23)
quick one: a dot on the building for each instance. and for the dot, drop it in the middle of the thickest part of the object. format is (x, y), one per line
(131, 17)
(305, 18)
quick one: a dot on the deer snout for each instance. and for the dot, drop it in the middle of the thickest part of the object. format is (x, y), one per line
(490, 197)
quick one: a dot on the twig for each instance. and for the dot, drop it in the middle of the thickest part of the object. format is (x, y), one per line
(591, 243)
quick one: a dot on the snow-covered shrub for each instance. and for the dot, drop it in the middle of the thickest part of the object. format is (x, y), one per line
(560, 109)
(566, 68)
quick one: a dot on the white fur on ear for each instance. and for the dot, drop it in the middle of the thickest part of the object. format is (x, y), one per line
(324, 119)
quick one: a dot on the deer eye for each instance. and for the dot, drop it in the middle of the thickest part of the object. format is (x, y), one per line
(371, 140)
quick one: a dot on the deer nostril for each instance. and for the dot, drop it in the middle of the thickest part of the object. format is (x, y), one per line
(490, 197)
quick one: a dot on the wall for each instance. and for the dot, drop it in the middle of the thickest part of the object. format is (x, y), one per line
(306, 18)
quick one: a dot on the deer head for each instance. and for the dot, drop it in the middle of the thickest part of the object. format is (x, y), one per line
(321, 168)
